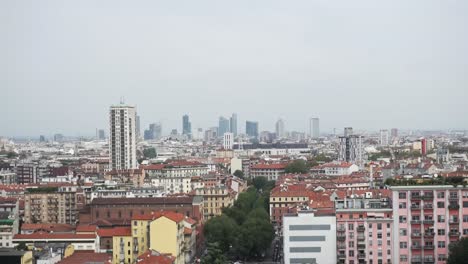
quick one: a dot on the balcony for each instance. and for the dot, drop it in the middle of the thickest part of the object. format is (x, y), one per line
(416, 260)
(342, 256)
(361, 229)
(428, 207)
(341, 246)
(361, 246)
(341, 229)
(453, 207)
(415, 207)
(341, 237)
(429, 234)
(361, 238)
(415, 235)
(454, 222)
(428, 247)
(416, 197)
(429, 221)
(361, 256)
(454, 234)
(416, 247)
(416, 222)
(453, 198)
(429, 260)
(428, 197)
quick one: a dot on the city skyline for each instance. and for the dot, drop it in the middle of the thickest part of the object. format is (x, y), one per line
(263, 62)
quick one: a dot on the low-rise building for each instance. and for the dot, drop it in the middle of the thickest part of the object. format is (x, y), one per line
(215, 199)
(9, 221)
(269, 171)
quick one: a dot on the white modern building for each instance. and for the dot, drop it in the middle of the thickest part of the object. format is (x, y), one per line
(228, 140)
(384, 137)
(309, 237)
(280, 132)
(314, 127)
(122, 137)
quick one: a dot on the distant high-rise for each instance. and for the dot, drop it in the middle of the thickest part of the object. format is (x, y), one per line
(224, 126)
(314, 127)
(186, 126)
(394, 133)
(228, 140)
(154, 131)
(41, 138)
(58, 137)
(280, 128)
(101, 134)
(251, 129)
(350, 147)
(384, 140)
(233, 124)
(137, 126)
(122, 137)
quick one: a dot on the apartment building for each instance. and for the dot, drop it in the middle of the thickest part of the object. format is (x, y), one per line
(364, 228)
(167, 235)
(309, 237)
(215, 199)
(122, 250)
(269, 171)
(9, 221)
(427, 218)
(53, 205)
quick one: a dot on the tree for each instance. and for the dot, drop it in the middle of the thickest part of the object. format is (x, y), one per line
(239, 174)
(221, 229)
(149, 153)
(215, 255)
(297, 166)
(259, 182)
(21, 246)
(458, 252)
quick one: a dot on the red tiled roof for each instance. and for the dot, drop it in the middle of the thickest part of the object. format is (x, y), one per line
(86, 228)
(87, 257)
(44, 235)
(187, 231)
(116, 231)
(153, 257)
(56, 228)
(274, 166)
(153, 167)
(176, 217)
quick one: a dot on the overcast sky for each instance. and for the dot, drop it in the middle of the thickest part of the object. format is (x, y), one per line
(366, 64)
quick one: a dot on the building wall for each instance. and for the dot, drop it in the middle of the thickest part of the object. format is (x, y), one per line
(428, 218)
(167, 236)
(309, 239)
(122, 250)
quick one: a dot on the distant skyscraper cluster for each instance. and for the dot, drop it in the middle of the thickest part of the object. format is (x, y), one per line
(122, 137)
(154, 131)
(251, 129)
(223, 126)
(384, 137)
(233, 124)
(280, 131)
(314, 127)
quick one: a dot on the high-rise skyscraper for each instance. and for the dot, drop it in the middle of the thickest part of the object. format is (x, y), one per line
(280, 128)
(154, 131)
(251, 129)
(122, 137)
(384, 140)
(233, 124)
(350, 147)
(223, 126)
(101, 134)
(186, 126)
(394, 133)
(314, 127)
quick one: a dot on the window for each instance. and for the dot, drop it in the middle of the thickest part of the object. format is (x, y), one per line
(388, 244)
(379, 226)
(465, 194)
(403, 232)
(388, 225)
(351, 253)
(465, 218)
(403, 258)
(379, 235)
(441, 244)
(465, 231)
(402, 219)
(402, 195)
(351, 244)
(370, 225)
(370, 234)
(403, 245)
(440, 204)
(465, 204)
(441, 218)
(402, 205)
(440, 194)
(351, 226)
(350, 216)
(442, 257)
(441, 232)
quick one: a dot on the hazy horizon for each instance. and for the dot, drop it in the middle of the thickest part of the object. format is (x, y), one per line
(365, 64)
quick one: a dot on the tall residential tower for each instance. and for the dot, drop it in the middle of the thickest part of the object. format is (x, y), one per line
(122, 137)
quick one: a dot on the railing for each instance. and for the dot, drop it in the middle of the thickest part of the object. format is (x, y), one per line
(416, 247)
(361, 229)
(428, 206)
(341, 256)
(361, 238)
(451, 233)
(361, 255)
(453, 207)
(415, 234)
(416, 197)
(429, 234)
(453, 221)
(428, 246)
(428, 197)
(415, 222)
(428, 222)
(415, 207)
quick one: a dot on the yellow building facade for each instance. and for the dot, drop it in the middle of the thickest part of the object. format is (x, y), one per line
(167, 236)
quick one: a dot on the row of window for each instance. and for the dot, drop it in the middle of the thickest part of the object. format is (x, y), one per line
(402, 205)
(440, 195)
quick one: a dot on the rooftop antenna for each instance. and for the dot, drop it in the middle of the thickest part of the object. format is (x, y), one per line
(122, 100)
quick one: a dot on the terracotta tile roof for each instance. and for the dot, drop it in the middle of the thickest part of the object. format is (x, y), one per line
(80, 257)
(274, 166)
(176, 217)
(153, 257)
(153, 167)
(116, 231)
(56, 228)
(86, 228)
(190, 220)
(151, 200)
(187, 231)
(45, 235)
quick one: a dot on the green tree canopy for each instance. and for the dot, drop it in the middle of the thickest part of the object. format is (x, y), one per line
(215, 255)
(259, 182)
(239, 173)
(221, 230)
(458, 252)
(149, 153)
(297, 166)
